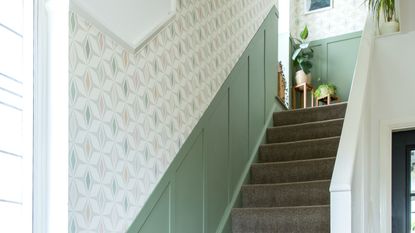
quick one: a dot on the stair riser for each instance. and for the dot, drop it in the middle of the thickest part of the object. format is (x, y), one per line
(298, 151)
(304, 132)
(292, 220)
(292, 172)
(310, 115)
(303, 194)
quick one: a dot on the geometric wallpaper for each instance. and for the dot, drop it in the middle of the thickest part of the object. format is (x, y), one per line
(129, 113)
(346, 16)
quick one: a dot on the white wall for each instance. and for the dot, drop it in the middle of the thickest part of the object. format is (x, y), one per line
(284, 42)
(392, 108)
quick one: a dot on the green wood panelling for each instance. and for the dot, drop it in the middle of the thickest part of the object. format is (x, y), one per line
(159, 219)
(189, 191)
(342, 55)
(256, 89)
(202, 184)
(217, 163)
(238, 110)
(334, 61)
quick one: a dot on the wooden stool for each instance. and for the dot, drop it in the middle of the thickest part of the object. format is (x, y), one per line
(327, 99)
(303, 89)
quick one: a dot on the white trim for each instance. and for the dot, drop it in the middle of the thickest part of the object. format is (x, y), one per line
(50, 176)
(132, 46)
(387, 127)
(306, 11)
(40, 118)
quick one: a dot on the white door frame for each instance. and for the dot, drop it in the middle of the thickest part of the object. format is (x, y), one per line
(387, 127)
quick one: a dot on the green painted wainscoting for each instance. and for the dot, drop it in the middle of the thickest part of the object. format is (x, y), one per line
(202, 184)
(334, 61)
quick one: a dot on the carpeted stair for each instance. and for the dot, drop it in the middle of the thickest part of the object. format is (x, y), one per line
(289, 188)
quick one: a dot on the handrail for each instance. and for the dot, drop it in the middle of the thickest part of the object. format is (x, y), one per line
(342, 180)
(343, 169)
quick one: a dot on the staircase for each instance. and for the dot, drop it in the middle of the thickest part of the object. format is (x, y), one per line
(289, 188)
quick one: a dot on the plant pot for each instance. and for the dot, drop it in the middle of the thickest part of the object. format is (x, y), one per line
(324, 92)
(389, 27)
(301, 77)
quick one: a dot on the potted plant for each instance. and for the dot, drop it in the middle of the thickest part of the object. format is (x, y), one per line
(302, 57)
(387, 9)
(325, 89)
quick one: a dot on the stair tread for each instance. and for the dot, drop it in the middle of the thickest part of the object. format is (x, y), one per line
(299, 150)
(292, 171)
(307, 123)
(310, 114)
(299, 141)
(287, 194)
(321, 107)
(305, 131)
(293, 161)
(286, 183)
(298, 219)
(281, 208)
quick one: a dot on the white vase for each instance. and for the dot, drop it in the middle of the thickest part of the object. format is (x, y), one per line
(324, 91)
(389, 27)
(301, 77)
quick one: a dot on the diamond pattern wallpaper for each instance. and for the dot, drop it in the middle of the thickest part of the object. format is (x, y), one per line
(131, 112)
(346, 16)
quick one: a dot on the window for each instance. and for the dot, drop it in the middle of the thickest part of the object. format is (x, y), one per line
(33, 116)
(15, 116)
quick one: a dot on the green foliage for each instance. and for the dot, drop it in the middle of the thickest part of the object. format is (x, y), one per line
(387, 7)
(325, 89)
(304, 33)
(302, 52)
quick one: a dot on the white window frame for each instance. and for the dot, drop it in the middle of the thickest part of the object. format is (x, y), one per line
(50, 136)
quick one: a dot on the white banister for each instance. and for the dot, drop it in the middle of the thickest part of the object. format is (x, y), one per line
(341, 187)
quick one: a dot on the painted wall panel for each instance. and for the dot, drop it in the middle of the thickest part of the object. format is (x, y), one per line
(159, 219)
(342, 61)
(217, 162)
(256, 87)
(334, 61)
(319, 64)
(189, 191)
(239, 132)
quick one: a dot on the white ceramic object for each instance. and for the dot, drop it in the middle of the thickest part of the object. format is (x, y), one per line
(324, 91)
(389, 27)
(301, 77)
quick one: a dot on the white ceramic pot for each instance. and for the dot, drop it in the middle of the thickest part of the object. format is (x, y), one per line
(301, 77)
(389, 27)
(324, 91)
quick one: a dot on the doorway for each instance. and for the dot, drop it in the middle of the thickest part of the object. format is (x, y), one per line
(403, 182)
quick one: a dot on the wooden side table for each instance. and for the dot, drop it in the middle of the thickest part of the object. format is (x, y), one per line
(303, 89)
(326, 99)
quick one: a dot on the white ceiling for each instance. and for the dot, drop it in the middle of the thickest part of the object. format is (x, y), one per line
(130, 22)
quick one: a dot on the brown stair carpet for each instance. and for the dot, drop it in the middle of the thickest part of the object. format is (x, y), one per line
(289, 185)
